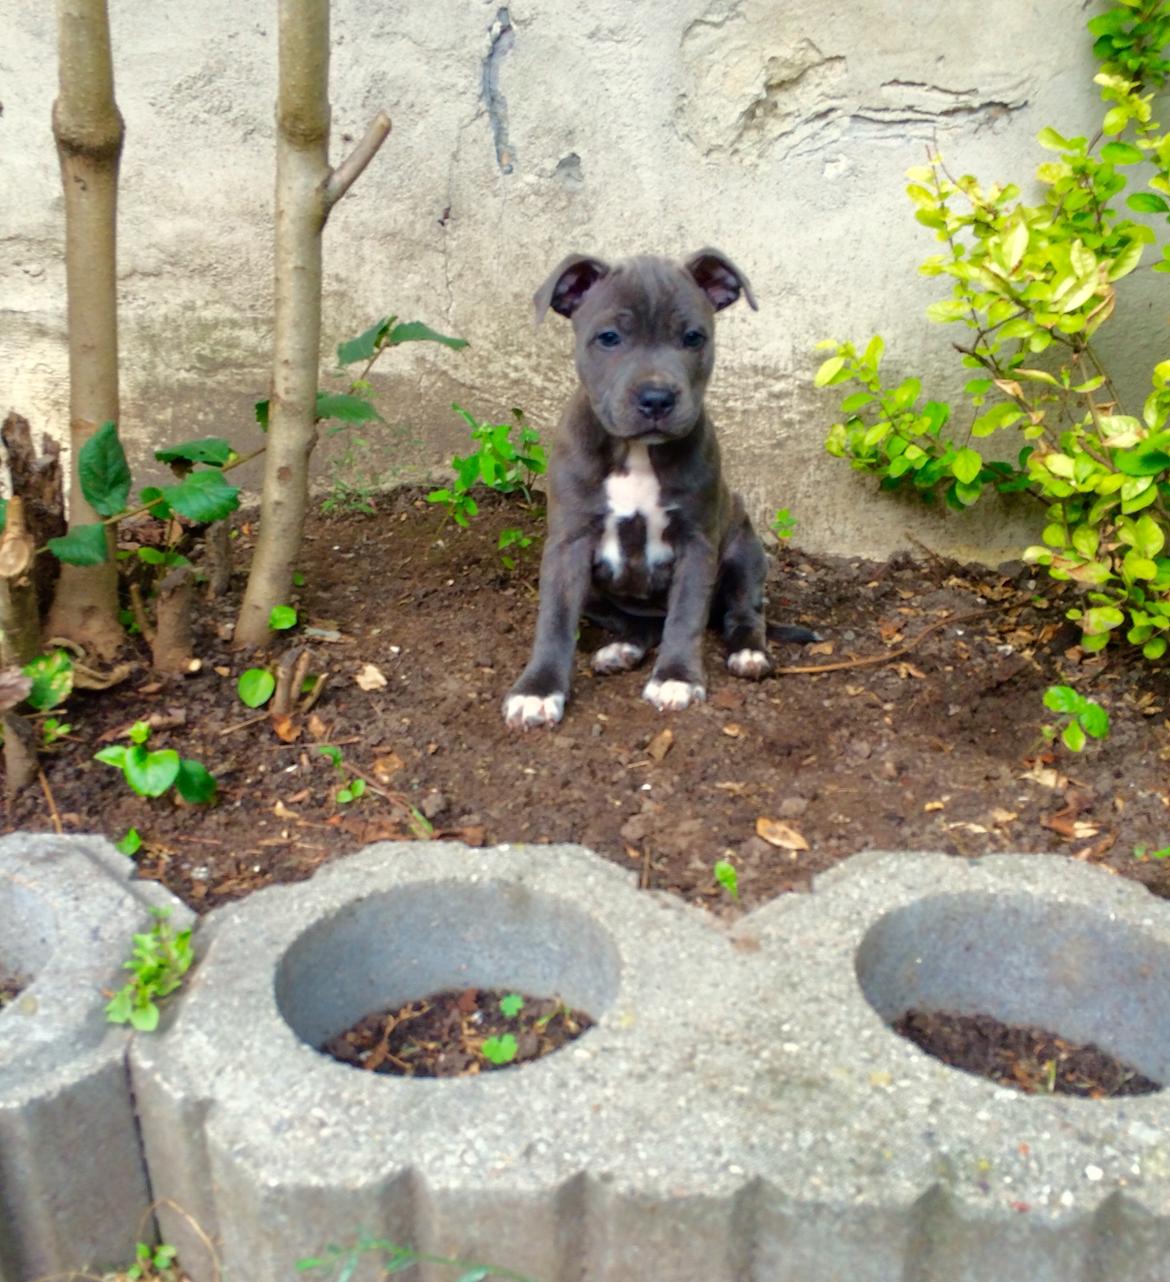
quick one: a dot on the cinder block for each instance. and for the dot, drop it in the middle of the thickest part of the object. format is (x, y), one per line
(73, 1186)
(740, 1113)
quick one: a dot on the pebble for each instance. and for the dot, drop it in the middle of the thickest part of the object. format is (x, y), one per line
(792, 807)
(433, 805)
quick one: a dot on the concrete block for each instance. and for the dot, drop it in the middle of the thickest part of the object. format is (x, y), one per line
(73, 1186)
(741, 1112)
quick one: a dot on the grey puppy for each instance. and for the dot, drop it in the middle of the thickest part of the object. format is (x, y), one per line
(644, 537)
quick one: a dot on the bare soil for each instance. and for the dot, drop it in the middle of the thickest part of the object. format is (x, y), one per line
(1029, 1059)
(921, 731)
(452, 1034)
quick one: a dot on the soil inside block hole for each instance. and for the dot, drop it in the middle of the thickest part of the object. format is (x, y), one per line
(10, 988)
(1032, 1060)
(458, 1033)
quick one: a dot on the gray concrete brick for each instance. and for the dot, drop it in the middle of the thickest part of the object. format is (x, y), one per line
(73, 1186)
(741, 1112)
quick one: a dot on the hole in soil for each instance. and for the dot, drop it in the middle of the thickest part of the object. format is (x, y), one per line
(1036, 963)
(28, 931)
(388, 950)
(1028, 1059)
(458, 1034)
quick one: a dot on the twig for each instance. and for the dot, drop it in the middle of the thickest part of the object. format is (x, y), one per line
(347, 173)
(874, 660)
(56, 818)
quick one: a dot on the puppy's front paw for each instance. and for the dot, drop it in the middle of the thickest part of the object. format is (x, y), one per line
(527, 711)
(672, 696)
(621, 656)
(752, 664)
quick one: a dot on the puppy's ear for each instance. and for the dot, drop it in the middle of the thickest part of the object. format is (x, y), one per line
(567, 286)
(719, 278)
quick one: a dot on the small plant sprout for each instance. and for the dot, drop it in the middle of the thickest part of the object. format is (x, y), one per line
(513, 538)
(52, 730)
(150, 774)
(255, 687)
(1080, 717)
(783, 524)
(499, 1050)
(511, 1005)
(160, 959)
(343, 1262)
(282, 617)
(727, 877)
(1143, 852)
(152, 1263)
(351, 789)
(130, 844)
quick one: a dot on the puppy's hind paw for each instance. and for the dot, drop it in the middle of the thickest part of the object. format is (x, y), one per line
(527, 711)
(621, 656)
(672, 696)
(752, 664)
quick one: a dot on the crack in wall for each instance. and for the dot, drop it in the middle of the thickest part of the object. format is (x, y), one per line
(503, 38)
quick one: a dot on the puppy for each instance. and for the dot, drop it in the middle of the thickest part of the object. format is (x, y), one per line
(644, 537)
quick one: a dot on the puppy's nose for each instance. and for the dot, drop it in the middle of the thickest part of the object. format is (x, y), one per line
(656, 402)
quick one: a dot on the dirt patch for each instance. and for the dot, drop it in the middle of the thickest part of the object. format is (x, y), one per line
(926, 736)
(458, 1034)
(1028, 1059)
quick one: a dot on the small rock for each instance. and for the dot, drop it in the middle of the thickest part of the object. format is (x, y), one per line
(754, 848)
(636, 827)
(792, 807)
(433, 805)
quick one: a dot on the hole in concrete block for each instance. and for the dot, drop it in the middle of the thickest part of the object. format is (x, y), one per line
(381, 952)
(28, 931)
(1024, 960)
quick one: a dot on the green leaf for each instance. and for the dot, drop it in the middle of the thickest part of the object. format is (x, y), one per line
(195, 783)
(282, 617)
(1155, 648)
(1145, 202)
(365, 344)
(727, 877)
(967, 465)
(52, 680)
(144, 1018)
(345, 408)
(207, 449)
(417, 332)
(150, 774)
(474, 1275)
(511, 1005)
(1053, 141)
(113, 755)
(1121, 153)
(1146, 459)
(256, 686)
(119, 1007)
(828, 370)
(130, 844)
(104, 472)
(1122, 265)
(1062, 699)
(1073, 736)
(261, 409)
(1102, 618)
(500, 1050)
(159, 507)
(1094, 720)
(83, 545)
(203, 496)
(139, 732)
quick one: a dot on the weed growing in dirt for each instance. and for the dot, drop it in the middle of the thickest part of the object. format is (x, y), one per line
(727, 877)
(281, 618)
(52, 730)
(511, 1005)
(1080, 717)
(1144, 852)
(351, 789)
(160, 959)
(153, 1263)
(513, 538)
(1033, 284)
(130, 844)
(150, 774)
(499, 1050)
(783, 524)
(498, 463)
(343, 1262)
(255, 687)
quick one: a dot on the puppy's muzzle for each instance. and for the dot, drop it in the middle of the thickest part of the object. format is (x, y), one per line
(655, 401)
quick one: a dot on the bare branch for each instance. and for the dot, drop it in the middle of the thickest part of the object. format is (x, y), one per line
(342, 178)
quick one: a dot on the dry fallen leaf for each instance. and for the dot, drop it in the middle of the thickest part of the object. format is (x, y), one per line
(660, 745)
(286, 729)
(370, 678)
(386, 766)
(780, 834)
(905, 670)
(317, 728)
(1004, 817)
(934, 805)
(736, 787)
(281, 811)
(820, 647)
(1069, 828)
(733, 731)
(1046, 776)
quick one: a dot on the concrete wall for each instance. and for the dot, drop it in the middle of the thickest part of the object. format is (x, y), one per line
(777, 130)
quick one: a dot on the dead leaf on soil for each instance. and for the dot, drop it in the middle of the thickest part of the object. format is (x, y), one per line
(727, 699)
(890, 630)
(905, 670)
(370, 678)
(286, 729)
(733, 731)
(1069, 828)
(660, 745)
(387, 766)
(936, 805)
(964, 826)
(820, 647)
(1004, 817)
(780, 834)
(736, 787)
(1046, 776)
(281, 811)
(317, 728)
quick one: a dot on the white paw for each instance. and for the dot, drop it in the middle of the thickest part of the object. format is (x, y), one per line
(621, 656)
(752, 664)
(672, 696)
(527, 711)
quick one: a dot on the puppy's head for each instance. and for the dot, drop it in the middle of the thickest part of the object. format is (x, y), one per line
(645, 336)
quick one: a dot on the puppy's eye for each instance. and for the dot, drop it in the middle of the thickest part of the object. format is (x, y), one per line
(608, 338)
(694, 338)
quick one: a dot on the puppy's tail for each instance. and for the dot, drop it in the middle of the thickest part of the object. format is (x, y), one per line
(791, 632)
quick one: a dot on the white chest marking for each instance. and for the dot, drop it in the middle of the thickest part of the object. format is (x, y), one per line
(635, 492)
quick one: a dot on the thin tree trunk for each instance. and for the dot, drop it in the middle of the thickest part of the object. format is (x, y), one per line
(88, 129)
(306, 190)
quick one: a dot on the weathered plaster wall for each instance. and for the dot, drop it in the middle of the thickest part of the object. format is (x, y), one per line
(778, 130)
